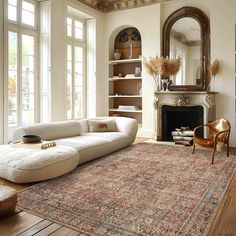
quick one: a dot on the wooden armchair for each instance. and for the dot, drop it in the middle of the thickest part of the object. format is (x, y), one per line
(219, 131)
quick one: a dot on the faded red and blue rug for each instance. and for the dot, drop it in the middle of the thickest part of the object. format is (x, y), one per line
(145, 189)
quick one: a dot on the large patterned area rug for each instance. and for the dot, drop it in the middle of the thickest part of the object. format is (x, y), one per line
(145, 189)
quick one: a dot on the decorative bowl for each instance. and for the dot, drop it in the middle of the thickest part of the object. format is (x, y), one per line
(31, 138)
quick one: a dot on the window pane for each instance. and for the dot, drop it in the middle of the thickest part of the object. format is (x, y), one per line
(28, 13)
(69, 83)
(28, 6)
(12, 98)
(27, 63)
(12, 78)
(12, 61)
(78, 30)
(27, 80)
(12, 41)
(78, 33)
(12, 2)
(78, 102)
(12, 13)
(27, 45)
(69, 26)
(69, 56)
(78, 68)
(78, 54)
(27, 117)
(69, 96)
(45, 103)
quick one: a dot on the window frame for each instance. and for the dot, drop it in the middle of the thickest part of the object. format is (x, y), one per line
(20, 29)
(76, 42)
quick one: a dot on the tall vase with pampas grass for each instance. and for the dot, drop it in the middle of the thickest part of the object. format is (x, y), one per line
(153, 68)
(162, 67)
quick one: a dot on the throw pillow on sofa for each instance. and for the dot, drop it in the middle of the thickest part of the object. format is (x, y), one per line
(102, 126)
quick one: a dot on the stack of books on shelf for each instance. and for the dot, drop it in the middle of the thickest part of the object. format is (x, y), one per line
(183, 136)
(129, 108)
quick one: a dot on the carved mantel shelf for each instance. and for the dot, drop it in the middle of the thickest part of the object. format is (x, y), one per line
(183, 98)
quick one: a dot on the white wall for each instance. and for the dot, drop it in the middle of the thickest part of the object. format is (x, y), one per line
(58, 60)
(147, 21)
(223, 19)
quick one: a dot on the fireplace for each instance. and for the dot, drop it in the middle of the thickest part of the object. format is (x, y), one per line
(180, 116)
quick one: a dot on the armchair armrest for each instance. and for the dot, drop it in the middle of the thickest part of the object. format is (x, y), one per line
(198, 127)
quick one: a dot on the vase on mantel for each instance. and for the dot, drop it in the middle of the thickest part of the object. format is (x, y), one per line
(165, 84)
(157, 80)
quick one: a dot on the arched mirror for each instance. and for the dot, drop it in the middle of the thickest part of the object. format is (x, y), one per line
(186, 34)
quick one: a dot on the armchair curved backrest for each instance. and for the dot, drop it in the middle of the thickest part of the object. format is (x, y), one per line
(220, 129)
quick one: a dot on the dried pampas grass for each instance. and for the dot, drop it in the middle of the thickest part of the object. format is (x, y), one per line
(214, 67)
(162, 66)
(151, 65)
(174, 65)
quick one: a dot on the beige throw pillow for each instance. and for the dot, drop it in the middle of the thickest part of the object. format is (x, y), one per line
(101, 125)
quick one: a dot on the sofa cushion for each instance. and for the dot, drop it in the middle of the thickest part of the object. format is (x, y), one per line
(50, 131)
(107, 125)
(93, 145)
(110, 136)
(30, 164)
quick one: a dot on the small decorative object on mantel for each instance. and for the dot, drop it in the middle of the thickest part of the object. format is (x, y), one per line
(164, 67)
(213, 69)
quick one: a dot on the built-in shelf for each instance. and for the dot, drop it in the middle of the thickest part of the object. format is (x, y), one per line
(125, 96)
(123, 78)
(125, 89)
(130, 111)
(125, 61)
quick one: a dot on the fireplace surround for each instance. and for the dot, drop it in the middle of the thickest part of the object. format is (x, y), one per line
(182, 100)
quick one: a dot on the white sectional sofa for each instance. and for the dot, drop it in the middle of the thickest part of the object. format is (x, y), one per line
(77, 142)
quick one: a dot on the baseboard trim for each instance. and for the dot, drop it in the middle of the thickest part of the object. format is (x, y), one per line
(142, 133)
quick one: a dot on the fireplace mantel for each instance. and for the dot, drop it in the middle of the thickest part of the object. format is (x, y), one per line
(183, 98)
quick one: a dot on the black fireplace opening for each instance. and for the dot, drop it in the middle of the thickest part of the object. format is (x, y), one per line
(180, 116)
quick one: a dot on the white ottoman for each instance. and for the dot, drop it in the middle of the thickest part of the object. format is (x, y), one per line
(23, 164)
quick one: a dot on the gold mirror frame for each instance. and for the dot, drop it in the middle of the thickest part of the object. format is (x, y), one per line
(204, 23)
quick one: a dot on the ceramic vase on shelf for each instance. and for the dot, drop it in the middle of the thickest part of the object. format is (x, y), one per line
(117, 55)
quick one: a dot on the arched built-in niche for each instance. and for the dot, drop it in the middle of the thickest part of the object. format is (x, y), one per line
(125, 80)
(128, 43)
(114, 37)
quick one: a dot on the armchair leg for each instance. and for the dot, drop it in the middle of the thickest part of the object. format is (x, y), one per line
(227, 148)
(213, 154)
(193, 147)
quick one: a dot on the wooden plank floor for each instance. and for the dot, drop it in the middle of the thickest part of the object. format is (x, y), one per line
(25, 224)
